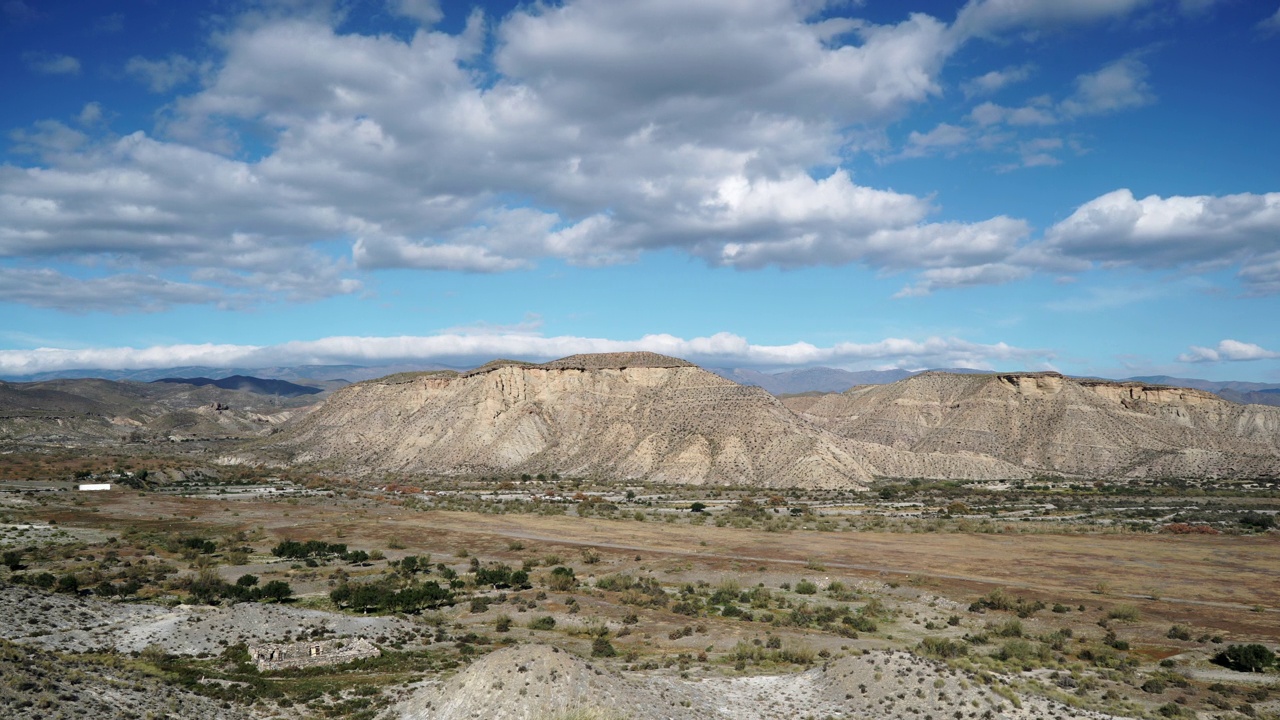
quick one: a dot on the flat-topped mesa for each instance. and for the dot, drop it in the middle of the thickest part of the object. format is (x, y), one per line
(589, 361)
(1044, 384)
(1128, 393)
(496, 365)
(1047, 422)
(616, 361)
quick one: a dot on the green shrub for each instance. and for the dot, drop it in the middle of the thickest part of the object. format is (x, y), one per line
(1246, 658)
(68, 584)
(546, 622)
(562, 579)
(806, 587)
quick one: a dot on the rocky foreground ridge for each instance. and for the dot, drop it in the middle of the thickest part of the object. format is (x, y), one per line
(619, 415)
(1049, 423)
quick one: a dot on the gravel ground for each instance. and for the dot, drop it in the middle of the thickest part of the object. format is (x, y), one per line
(534, 681)
(80, 624)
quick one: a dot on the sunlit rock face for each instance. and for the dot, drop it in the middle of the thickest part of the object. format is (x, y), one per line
(1045, 422)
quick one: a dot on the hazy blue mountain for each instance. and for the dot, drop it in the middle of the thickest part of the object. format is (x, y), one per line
(320, 375)
(820, 379)
(248, 383)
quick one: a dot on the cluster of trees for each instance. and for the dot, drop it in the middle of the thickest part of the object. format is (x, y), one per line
(199, 545)
(316, 550)
(1259, 522)
(501, 576)
(209, 589)
(382, 597)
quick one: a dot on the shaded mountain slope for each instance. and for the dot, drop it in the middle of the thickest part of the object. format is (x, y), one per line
(1049, 423)
(104, 411)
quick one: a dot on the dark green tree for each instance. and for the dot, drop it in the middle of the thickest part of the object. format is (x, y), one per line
(1246, 658)
(277, 590)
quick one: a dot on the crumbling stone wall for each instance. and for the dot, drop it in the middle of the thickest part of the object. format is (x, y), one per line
(278, 656)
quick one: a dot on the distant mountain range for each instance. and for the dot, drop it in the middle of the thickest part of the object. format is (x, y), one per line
(662, 419)
(316, 375)
(823, 379)
(785, 382)
(247, 383)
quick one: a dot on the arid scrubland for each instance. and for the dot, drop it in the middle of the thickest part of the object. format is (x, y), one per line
(682, 618)
(626, 536)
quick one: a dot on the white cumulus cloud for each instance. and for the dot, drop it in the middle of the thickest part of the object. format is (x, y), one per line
(475, 346)
(1227, 351)
(1177, 231)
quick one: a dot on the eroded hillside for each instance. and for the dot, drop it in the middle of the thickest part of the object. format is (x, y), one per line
(1050, 423)
(628, 415)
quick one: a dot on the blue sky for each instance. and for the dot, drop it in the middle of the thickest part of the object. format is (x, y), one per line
(1092, 187)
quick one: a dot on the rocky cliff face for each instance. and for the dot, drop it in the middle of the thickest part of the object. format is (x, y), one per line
(619, 416)
(1049, 423)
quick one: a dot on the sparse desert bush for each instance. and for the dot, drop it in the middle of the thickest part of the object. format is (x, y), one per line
(588, 713)
(1009, 628)
(1174, 710)
(998, 600)
(806, 587)
(943, 647)
(1123, 612)
(546, 622)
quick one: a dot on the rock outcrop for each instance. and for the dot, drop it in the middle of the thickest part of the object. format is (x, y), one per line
(1048, 423)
